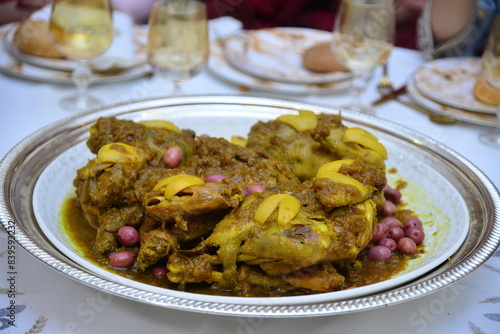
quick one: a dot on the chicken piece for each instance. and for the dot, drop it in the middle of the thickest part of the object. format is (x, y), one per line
(109, 224)
(242, 167)
(276, 247)
(152, 137)
(298, 150)
(347, 181)
(305, 150)
(322, 278)
(155, 246)
(192, 201)
(354, 229)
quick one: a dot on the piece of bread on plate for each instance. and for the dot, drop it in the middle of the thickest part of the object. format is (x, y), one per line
(33, 38)
(484, 92)
(320, 58)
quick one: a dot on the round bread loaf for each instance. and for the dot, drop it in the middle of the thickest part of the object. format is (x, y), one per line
(33, 38)
(484, 92)
(320, 58)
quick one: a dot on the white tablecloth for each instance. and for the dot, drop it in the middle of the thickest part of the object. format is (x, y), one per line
(55, 303)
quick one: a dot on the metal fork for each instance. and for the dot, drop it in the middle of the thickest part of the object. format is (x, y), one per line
(385, 87)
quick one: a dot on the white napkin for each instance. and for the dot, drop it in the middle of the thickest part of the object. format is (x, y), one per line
(121, 53)
(223, 26)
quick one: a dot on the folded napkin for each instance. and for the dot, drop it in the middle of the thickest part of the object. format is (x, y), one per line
(223, 26)
(121, 53)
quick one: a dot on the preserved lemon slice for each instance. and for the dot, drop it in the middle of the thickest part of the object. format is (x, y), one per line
(238, 140)
(306, 120)
(332, 167)
(162, 124)
(330, 171)
(176, 183)
(366, 139)
(288, 205)
(119, 153)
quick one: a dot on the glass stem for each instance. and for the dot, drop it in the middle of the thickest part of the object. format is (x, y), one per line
(177, 91)
(357, 88)
(81, 77)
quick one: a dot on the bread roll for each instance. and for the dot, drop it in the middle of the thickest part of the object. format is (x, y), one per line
(33, 38)
(320, 58)
(484, 92)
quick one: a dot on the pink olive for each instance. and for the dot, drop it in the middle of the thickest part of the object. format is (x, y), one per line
(379, 253)
(396, 233)
(172, 157)
(391, 222)
(380, 232)
(255, 188)
(389, 243)
(392, 194)
(127, 236)
(416, 234)
(406, 246)
(412, 222)
(121, 259)
(159, 271)
(214, 178)
(389, 209)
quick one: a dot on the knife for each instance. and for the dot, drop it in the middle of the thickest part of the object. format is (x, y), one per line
(391, 96)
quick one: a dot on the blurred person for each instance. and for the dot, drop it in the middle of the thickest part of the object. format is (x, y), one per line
(315, 14)
(456, 28)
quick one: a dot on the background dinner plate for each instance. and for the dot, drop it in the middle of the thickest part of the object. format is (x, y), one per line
(450, 81)
(14, 66)
(452, 196)
(219, 67)
(64, 64)
(276, 54)
(461, 114)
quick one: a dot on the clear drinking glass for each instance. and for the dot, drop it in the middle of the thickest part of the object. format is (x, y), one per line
(491, 75)
(178, 40)
(81, 30)
(363, 37)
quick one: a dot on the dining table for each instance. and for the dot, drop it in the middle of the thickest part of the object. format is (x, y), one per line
(53, 303)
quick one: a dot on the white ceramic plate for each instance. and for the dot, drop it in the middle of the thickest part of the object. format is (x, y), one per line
(443, 109)
(276, 54)
(453, 197)
(219, 67)
(41, 69)
(430, 194)
(450, 81)
(64, 64)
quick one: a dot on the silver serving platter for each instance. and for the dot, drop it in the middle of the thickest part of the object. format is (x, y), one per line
(22, 166)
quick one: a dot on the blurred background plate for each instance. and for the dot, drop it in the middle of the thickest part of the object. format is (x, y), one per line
(434, 173)
(276, 54)
(444, 109)
(450, 81)
(220, 68)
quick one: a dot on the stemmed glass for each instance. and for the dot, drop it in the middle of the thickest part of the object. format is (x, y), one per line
(491, 75)
(363, 37)
(81, 30)
(178, 40)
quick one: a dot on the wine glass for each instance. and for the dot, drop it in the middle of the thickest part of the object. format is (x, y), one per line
(81, 30)
(363, 36)
(491, 74)
(178, 40)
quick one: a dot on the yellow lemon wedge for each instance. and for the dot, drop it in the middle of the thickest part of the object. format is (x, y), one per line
(306, 120)
(330, 171)
(288, 208)
(119, 153)
(162, 124)
(366, 139)
(238, 140)
(172, 185)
